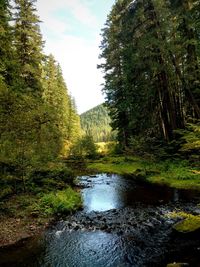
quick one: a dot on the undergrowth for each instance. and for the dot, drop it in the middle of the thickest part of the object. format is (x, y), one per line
(60, 202)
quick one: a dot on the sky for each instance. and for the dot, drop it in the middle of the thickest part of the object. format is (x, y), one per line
(71, 31)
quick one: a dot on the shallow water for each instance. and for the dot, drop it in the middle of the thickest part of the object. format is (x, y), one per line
(107, 192)
(61, 247)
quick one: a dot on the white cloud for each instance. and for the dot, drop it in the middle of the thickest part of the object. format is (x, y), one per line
(77, 56)
(82, 13)
(78, 8)
(78, 60)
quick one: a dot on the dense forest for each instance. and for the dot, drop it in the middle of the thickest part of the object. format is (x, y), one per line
(131, 166)
(96, 122)
(38, 117)
(151, 64)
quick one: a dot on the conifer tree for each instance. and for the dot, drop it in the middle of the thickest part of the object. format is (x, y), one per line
(151, 67)
(28, 45)
(186, 15)
(73, 124)
(65, 119)
(6, 47)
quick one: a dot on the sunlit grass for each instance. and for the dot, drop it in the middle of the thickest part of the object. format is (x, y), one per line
(174, 173)
(115, 165)
(177, 174)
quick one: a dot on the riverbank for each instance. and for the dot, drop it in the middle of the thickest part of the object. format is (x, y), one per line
(18, 221)
(26, 215)
(174, 173)
(26, 211)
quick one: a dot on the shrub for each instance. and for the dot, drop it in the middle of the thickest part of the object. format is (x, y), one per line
(40, 177)
(84, 147)
(60, 202)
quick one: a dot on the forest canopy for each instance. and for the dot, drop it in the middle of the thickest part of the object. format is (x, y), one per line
(38, 117)
(96, 122)
(150, 51)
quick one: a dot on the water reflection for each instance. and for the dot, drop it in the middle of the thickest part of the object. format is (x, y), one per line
(105, 195)
(107, 192)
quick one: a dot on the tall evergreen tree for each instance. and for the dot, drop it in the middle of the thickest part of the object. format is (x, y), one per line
(151, 81)
(6, 47)
(55, 94)
(28, 44)
(73, 124)
(186, 15)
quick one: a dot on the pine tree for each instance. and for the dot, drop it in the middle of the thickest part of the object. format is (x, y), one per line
(55, 94)
(6, 47)
(186, 15)
(28, 45)
(112, 47)
(73, 123)
(151, 84)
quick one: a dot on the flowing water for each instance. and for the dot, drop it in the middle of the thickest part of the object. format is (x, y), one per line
(79, 241)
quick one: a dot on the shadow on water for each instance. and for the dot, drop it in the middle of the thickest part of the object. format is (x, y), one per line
(62, 247)
(106, 192)
(23, 254)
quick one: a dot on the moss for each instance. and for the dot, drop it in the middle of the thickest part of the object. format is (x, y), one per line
(190, 223)
(177, 265)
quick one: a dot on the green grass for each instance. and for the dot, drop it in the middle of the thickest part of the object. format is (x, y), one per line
(177, 173)
(115, 165)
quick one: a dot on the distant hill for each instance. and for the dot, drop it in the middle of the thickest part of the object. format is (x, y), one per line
(96, 122)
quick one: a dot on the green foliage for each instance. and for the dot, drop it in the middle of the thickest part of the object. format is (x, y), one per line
(84, 147)
(66, 122)
(5, 191)
(107, 148)
(61, 202)
(96, 122)
(176, 173)
(191, 138)
(47, 176)
(28, 45)
(38, 118)
(150, 52)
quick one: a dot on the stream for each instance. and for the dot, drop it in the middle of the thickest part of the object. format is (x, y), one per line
(123, 223)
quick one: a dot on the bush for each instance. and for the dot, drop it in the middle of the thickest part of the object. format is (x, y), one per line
(84, 147)
(61, 202)
(40, 177)
(191, 140)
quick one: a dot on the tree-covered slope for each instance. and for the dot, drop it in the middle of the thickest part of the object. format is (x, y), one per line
(96, 122)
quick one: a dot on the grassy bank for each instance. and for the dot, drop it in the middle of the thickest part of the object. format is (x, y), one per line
(50, 192)
(26, 215)
(176, 173)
